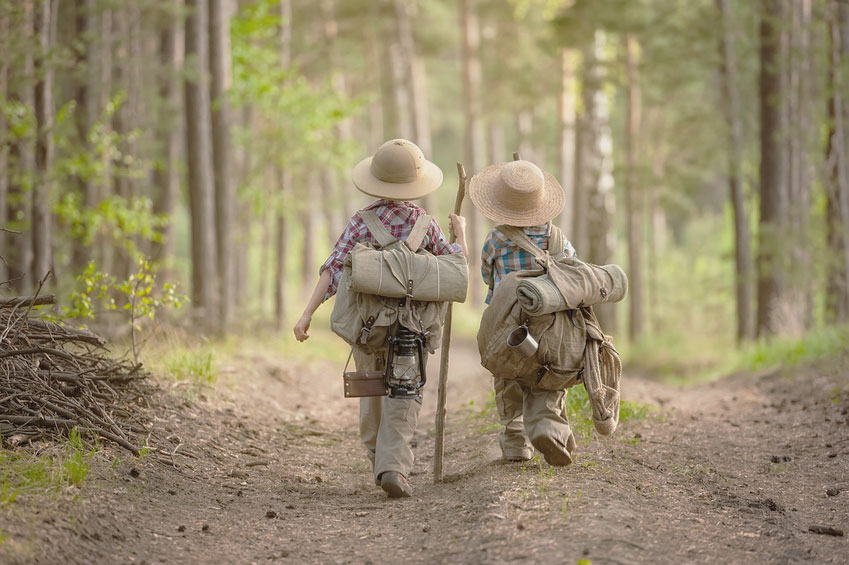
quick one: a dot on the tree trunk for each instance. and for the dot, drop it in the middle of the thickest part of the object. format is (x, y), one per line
(567, 114)
(742, 238)
(4, 150)
(308, 212)
(201, 188)
(772, 172)
(121, 123)
(105, 85)
(473, 145)
(377, 122)
(20, 267)
(284, 179)
(166, 176)
(405, 12)
(525, 132)
(219, 64)
(86, 20)
(598, 163)
(497, 145)
(401, 87)
(837, 208)
(42, 225)
(633, 192)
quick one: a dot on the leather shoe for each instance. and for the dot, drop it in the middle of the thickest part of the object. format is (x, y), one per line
(395, 484)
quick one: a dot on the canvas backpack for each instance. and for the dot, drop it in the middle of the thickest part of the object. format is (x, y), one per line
(572, 347)
(366, 320)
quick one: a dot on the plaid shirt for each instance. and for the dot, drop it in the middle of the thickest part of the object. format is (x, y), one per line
(399, 218)
(500, 255)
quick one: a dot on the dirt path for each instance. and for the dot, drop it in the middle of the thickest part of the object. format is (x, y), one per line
(269, 469)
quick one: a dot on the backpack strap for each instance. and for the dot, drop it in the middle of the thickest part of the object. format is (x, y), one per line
(520, 238)
(376, 227)
(417, 235)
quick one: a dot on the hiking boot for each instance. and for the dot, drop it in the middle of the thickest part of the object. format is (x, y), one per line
(554, 452)
(514, 456)
(395, 484)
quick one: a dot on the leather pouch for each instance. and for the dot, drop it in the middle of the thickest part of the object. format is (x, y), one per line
(365, 383)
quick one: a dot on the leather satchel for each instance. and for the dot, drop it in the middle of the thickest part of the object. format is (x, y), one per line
(363, 383)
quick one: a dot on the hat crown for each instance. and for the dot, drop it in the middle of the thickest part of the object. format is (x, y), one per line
(521, 185)
(398, 161)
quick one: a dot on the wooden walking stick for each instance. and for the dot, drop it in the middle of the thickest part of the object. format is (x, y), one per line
(439, 446)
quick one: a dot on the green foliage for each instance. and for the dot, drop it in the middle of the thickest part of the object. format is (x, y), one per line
(295, 116)
(138, 296)
(580, 413)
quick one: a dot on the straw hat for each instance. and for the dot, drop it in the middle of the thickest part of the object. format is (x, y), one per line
(517, 193)
(398, 171)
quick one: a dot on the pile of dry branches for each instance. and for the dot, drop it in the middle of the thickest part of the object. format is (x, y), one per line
(54, 377)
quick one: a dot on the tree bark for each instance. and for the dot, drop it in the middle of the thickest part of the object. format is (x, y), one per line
(201, 188)
(166, 177)
(837, 155)
(473, 139)
(86, 20)
(772, 171)
(284, 179)
(42, 224)
(105, 90)
(20, 266)
(4, 149)
(742, 238)
(416, 77)
(308, 212)
(567, 114)
(633, 193)
(225, 199)
(598, 163)
(121, 123)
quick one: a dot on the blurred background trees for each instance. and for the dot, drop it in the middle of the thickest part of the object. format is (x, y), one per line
(702, 144)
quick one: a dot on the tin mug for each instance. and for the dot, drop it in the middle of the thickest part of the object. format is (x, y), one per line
(522, 341)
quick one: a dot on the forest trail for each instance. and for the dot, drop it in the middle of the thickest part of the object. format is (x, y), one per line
(269, 469)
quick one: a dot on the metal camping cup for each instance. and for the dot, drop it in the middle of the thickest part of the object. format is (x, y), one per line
(522, 341)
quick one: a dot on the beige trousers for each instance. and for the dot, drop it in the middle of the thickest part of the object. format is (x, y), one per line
(527, 414)
(387, 424)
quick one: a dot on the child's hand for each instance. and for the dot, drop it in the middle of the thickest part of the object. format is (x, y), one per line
(458, 225)
(302, 327)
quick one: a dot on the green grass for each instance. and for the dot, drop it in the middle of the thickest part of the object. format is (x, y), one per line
(22, 472)
(184, 361)
(681, 359)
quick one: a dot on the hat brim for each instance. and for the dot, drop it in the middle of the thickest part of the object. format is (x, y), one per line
(482, 193)
(428, 182)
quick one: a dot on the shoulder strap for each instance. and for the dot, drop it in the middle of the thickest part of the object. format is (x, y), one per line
(555, 241)
(520, 238)
(376, 227)
(417, 235)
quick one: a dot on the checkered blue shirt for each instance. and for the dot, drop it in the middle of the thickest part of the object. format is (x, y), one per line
(399, 218)
(500, 255)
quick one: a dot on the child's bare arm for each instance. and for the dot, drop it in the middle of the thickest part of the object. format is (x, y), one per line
(303, 325)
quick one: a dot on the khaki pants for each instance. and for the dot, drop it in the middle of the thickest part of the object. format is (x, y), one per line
(528, 414)
(387, 424)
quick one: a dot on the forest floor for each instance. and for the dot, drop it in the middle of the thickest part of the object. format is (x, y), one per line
(267, 467)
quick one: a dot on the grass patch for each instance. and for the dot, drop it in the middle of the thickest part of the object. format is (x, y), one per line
(580, 412)
(487, 417)
(21, 472)
(682, 359)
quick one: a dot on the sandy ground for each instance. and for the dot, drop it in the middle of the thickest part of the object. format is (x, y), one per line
(268, 468)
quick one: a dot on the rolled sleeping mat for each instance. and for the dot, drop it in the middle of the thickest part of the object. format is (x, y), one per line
(570, 284)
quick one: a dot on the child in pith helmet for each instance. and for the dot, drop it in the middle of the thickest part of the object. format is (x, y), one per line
(397, 174)
(521, 195)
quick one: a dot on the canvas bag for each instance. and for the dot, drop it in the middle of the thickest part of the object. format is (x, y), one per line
(572, 347)
(406, 269)
(365, 320)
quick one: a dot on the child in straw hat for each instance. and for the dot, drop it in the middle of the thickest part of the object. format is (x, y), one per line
(521, 195)
(397, 174)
